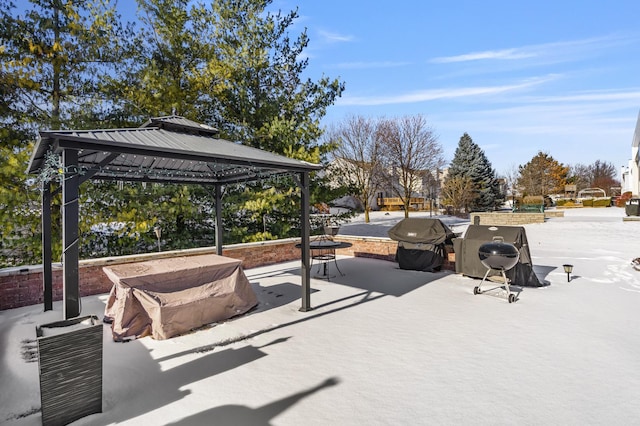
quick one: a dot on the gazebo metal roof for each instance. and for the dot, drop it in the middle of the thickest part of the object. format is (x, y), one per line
(169, 149)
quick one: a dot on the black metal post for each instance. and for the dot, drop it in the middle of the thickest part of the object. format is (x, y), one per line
(47, 272)
(305, 239)
(70, 249)
(218, 196)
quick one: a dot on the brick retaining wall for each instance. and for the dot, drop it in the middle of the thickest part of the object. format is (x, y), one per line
(376, 248)
(514, 219)
(22, 286)
(381, 248)
(553, 213)
(505, 218)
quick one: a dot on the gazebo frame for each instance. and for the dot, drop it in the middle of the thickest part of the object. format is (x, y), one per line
(167, 150)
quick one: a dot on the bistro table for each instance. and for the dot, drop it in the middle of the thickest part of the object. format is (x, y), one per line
(323, 249)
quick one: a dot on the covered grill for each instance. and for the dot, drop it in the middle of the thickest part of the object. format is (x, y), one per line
(468, 261)
(421, 243)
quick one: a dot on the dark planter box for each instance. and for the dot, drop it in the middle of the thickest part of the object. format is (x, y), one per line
(632, 207)
(530, 208)
(70, 363)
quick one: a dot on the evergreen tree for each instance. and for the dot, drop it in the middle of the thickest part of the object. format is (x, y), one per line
(230, 64)
(264, 101)
(469, 161)
(56, 54)
(52, 57)
(173, 70)
(170, 71)
(233, 65)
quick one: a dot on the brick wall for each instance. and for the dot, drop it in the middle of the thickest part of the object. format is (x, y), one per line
(263, 253)
(553, 213)
(377, 248)
(383, 249)
(505, 218)
(22, 286)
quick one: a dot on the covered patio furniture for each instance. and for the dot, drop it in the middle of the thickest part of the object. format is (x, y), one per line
(421, 243)
(167, 297)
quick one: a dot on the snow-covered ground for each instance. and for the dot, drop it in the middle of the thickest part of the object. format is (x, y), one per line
(384, 346)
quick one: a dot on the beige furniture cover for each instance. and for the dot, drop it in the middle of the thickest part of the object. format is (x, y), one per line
(167, 297)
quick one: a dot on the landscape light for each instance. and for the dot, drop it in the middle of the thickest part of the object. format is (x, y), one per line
(158, 232)
(568, 269)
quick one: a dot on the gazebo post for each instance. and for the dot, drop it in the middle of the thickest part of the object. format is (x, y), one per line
(47, 273)
(218, 196)
(305, 230)
(70, 249)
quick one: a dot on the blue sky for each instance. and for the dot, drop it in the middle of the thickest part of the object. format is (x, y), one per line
(560, 76)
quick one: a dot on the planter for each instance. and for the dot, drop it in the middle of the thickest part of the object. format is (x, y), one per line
(331, 230)
(530, 208)
(70, 365)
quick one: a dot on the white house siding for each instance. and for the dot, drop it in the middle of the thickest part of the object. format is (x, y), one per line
(630, 175)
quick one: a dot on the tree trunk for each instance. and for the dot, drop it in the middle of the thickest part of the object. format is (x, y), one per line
(55, 95)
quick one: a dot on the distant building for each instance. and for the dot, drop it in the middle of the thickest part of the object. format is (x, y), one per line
(630, 177)
(425, 192)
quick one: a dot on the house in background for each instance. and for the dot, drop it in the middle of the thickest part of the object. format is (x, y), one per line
(630, 177)
(425, 193)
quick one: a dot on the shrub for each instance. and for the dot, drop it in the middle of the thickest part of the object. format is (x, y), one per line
(533, 199)
(567, 202)
(602, 202)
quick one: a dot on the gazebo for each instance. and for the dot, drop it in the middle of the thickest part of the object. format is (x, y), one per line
(168, 149)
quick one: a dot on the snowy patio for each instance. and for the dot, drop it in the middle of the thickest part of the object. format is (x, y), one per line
(383, 346)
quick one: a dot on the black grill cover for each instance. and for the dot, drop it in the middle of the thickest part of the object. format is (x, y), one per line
(421, 243)
(468, 261)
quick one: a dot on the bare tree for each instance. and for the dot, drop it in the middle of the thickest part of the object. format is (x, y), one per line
(603, 175)
(580, 176)
(411, 149)
(357, 157)
(458, 192)
(431, 187)
(511, 183)
(600, 174)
